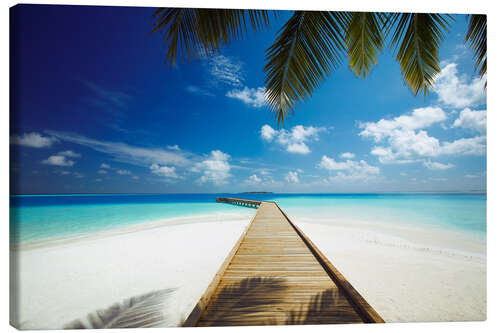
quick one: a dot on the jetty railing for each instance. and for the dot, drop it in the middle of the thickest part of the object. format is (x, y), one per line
(240, 202)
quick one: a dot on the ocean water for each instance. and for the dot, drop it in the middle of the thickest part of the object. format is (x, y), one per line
(39, 217)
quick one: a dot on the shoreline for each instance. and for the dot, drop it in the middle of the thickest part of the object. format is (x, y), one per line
(424, 238)
(404, 274)
(125, 229)
(182, 258)
(403, 280)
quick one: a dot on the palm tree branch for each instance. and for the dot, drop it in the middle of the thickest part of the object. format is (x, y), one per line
(418, 37)
(308, 47)
(190, 33)
(476, 37)
(364, 40)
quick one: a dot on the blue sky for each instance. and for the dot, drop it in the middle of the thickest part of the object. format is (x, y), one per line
(94, 109)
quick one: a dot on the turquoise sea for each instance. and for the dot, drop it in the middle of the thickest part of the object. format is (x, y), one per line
(39, 217)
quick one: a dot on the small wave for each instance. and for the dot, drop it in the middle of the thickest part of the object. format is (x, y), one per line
(371, 233)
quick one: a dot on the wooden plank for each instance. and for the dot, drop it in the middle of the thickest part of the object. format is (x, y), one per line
(195, 314)
(273, 276)
(367, 312)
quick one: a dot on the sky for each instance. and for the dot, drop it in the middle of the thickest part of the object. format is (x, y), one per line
(95, 109)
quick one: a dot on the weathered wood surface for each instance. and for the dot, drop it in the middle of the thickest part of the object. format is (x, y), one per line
(276, 276)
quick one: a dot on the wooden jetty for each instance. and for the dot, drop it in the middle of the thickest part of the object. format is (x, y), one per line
(242, 202)
(275, 275)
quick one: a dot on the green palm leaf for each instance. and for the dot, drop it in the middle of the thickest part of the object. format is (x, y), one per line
(476, 37)
(364, 40)
(418, 37)
(309, 46)
(192, 33)
(179, 32)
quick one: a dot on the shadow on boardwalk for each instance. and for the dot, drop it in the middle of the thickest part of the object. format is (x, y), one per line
(252, 300)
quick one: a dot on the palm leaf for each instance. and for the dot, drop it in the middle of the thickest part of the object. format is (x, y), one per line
(476, 37)
(179, 32)
(191, 33)
(364, 40)
(418, 37)
(308, 47)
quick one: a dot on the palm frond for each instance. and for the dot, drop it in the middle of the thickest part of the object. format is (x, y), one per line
(364, 40)
(191, 33)
(476, 37)
(418, 37)
(309, 46)
(179, 30)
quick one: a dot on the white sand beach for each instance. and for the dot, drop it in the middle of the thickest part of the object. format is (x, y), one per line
(423, 276)
(408, 274)
(58, 284)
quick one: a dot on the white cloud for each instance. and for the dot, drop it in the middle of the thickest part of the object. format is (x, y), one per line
(299, 148)
(292, 177)
(404, 174)
(457, 91)
(406, 147)
(342, 176)
(465, 146)
(174, 147)
(135, 177)
(126, 153)
(471, 176)
(250, 96)
(294, 140)
(215, 168)
(330, 164)
(347, 155)
(102, 172)
(264, 172)
(473, 120)
(439, 179)
(105, 166)
(254, 179)
(267, 133)
(58, 160)
(65, 173)
(69, 153)
(418, 119)
(349, 170)
(164, 171)
(198, 91)
(123, 172)
(106, 98)
(34, 140)
(226, 70)
(437, 166)
(407, 141)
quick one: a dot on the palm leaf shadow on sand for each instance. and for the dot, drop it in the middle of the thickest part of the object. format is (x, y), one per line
(145, 310)
(326, 307)
(238, 299)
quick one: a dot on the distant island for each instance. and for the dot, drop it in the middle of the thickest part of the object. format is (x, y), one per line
(256, 192)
